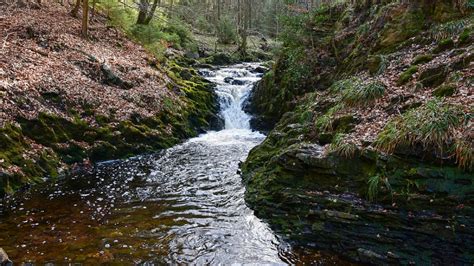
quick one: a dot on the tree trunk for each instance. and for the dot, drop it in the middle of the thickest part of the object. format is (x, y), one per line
(143, 12)
(75, 10)
(150, 15)
(85, 17)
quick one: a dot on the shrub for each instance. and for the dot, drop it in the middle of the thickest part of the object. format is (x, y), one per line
(448, 30)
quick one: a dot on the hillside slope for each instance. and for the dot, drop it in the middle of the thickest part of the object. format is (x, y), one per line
(371, 148)
(66, 100)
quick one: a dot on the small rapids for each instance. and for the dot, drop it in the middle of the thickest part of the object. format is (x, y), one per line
(184, 205)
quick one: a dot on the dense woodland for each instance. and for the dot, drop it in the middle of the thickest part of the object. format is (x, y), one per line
(354, 141)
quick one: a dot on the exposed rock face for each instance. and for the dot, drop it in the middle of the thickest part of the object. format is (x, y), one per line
(422, 212)
(323, 177)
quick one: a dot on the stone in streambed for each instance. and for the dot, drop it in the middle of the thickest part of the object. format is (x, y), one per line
(4, 260)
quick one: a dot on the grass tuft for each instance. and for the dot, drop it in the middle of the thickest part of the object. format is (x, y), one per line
(363, 94)
(343, 147)
(465, 154)
(325, 122)
(431, 125)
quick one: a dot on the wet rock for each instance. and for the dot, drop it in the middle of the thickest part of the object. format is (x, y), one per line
(369, 256)
(192, 55)
(259, 69)
(221, 59)
(228, 80)
(4, 260)
(238, 82)
(206, 73)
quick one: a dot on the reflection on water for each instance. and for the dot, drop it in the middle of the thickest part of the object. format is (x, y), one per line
(183, 205)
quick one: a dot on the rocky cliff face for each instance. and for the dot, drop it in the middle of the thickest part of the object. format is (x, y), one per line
(65, 100)
(372, 153)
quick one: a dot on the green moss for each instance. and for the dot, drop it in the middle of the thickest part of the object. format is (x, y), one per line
(422, 59)
(407, 75)
(376, 64)
(465, 37)
(444, 45)
(403, 25)
(445, 90)
(433, 77)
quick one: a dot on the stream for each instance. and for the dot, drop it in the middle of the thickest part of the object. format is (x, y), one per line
(183, 205)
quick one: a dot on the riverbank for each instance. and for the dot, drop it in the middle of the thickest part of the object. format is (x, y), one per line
(65, 100)
(182, 205)
(370, 150)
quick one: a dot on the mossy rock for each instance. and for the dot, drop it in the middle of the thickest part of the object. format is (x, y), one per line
(405, 23)
(445, 90)
(444, 45)
(374, 64)
(433, 77)
(221, 59)
(422, 59)
(407, 75)
(465, 37)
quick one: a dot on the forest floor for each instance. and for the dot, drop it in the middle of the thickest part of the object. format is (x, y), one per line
(106, 86)
(43, 55)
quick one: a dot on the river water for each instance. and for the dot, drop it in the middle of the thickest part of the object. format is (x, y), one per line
(184, 205)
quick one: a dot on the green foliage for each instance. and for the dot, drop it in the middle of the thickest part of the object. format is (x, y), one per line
(373, 189)
(431, 125)
(325, 122)
(226, 31)
(203, 24)
(407, 75)
(156, 36)
(343, 147)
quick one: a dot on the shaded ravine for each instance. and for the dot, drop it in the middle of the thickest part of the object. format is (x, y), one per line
(182, 205)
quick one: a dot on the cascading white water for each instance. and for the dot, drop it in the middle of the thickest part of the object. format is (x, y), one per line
(233, 86)
(184, 205)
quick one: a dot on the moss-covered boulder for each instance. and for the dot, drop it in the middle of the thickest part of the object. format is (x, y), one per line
(407, 75)
(444, 45)
(422, 59)
(433, 76)
(445, 90)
